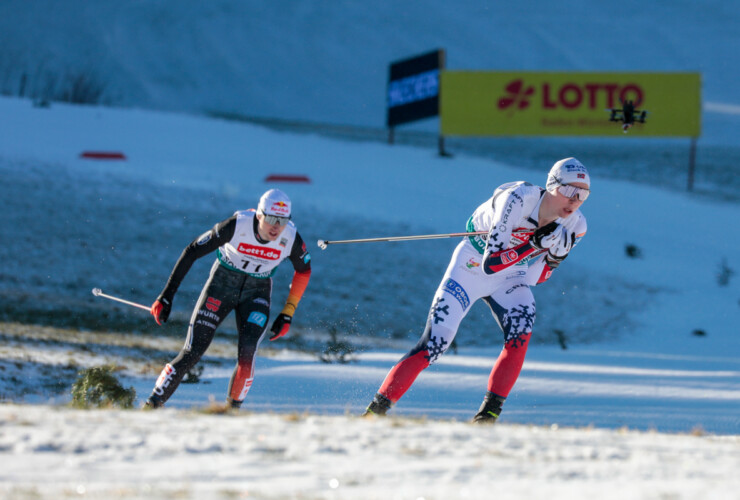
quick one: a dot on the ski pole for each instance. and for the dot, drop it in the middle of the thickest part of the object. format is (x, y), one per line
(99, 293)
(323, 243)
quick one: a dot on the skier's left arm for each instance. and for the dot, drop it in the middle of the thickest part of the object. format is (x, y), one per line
(301, 260)
(558, 252)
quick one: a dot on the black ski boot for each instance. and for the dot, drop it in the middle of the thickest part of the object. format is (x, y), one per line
(490, 409)
(153, 402)
(233, 404)
(379, 406)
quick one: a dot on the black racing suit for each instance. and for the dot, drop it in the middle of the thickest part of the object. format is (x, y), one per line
(225, 290)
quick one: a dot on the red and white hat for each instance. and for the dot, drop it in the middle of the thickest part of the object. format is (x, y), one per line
(567, 171)
(274, 202)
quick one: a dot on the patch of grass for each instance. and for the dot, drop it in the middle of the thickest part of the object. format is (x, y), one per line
(43, 85)
(218, 408)
(405, 421)
(725, 273)
(295, 416)
(25, 492)
(98, 387)
(337, 351)
(698, 430)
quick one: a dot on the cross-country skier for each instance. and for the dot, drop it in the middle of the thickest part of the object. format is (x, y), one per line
(249, 247)
(531, 230)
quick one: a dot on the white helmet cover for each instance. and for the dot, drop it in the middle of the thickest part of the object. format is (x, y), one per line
(567, 171)
(275, 202)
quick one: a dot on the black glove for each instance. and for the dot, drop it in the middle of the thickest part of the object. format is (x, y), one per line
(545, 236)
(281, 326)
(161, 309)
(563, 245)
(554, 260)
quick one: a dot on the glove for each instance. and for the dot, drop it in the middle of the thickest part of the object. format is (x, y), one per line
(161, 310)
(554, 260)
(562, 246)
(281, 325)
(546, 236)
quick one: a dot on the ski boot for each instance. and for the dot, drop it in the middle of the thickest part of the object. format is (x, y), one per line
(379, 406)
(489, 410)
(153, 403)
(233, 404)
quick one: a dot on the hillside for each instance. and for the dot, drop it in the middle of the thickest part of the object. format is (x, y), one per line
(328, 63)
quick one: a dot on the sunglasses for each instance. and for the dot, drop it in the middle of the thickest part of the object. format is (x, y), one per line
(572, 191)
(275, 220)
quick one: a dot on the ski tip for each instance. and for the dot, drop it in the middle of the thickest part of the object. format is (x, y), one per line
(322, 244)
(96, 291)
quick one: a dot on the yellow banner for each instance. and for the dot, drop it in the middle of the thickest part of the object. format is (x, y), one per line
(568, 104)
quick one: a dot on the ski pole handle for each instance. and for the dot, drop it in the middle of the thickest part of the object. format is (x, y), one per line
(99, 293)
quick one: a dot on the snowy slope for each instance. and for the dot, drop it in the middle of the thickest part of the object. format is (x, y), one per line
(643, 403)
(323, 66)
(328, 61)
(630, 324)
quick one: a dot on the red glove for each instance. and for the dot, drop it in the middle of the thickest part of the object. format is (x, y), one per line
(161, 310)
(281, 326)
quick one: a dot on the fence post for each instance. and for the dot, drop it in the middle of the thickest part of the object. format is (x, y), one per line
(692, 163)
(441, 147)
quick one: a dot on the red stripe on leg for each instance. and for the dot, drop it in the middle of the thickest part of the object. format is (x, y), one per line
(506, 370)
(242, 382)
(401, 376)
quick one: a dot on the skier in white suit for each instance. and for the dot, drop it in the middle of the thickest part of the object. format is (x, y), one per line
(531, 230)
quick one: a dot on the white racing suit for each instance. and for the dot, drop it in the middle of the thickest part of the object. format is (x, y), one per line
(499, 267)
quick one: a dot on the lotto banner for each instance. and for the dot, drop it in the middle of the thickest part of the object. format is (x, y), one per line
(568, 104)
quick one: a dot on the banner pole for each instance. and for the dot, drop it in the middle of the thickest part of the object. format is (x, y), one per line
(692, 162)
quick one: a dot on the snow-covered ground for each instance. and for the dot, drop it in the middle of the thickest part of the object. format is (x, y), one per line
(643, 401)
(633, 360)
(61, 453)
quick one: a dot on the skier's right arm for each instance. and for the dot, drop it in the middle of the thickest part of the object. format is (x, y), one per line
(507, 209)
(508, 212)
(559, 251)
(204, 244)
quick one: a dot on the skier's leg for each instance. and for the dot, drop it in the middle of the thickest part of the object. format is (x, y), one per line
(452, 301)
(441, 327)
(252, 317)
(514, 310)
(212, 307)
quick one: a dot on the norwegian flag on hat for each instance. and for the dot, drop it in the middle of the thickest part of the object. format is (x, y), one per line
(567, 171)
